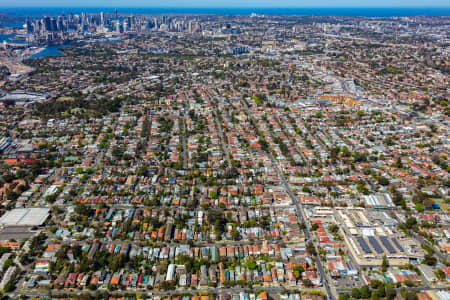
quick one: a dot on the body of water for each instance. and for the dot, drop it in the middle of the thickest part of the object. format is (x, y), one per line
(50, 51)
(363, 12)
(15, 24)
(7, 37)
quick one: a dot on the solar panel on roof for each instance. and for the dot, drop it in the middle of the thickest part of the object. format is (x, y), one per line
(387, 244)
(398, 245)
(375, 245)
(363, 244)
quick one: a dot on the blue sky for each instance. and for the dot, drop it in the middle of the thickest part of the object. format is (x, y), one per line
(228, 3)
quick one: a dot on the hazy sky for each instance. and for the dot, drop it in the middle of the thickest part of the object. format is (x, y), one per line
(228, 3)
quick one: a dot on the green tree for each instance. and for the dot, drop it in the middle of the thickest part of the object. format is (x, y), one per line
(384, 264)
(235, 234)
(356, 293)
(411, 295)
(310, 248)
(408, 283)
(8, 263)
(419, 207)
(8, 287)
(410, 222)
(390, 293)
(82, 209)
(307, 283)
(251, 264)
(429, 259)
(344, 297)
(375, 284)
(333, 228)
(298, 270)
(440, 274)
(383, 181)
(380, 292)
(116, 262)
(365, 292)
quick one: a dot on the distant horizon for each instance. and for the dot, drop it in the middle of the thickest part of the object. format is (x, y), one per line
(228, 7)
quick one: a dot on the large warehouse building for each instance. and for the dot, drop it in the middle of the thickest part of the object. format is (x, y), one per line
(369, 240)
(25, 217)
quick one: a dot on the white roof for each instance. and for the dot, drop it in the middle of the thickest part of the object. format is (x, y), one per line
(25, 217)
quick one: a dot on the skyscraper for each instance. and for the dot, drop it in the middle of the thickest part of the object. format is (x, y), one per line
(54, 25)
(47, 24)
(60, 24)
(29, 26)
(119, 27)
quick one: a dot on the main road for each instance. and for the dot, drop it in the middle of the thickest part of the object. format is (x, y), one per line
(219, 130)
(299, 211)
(183, 131)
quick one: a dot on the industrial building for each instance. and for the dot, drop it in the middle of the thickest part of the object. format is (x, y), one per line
(25, 217)
(24, 97)
(369, 241)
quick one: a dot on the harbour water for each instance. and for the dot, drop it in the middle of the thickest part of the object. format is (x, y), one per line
(50, 51)
(18, 24)
(8, 38)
